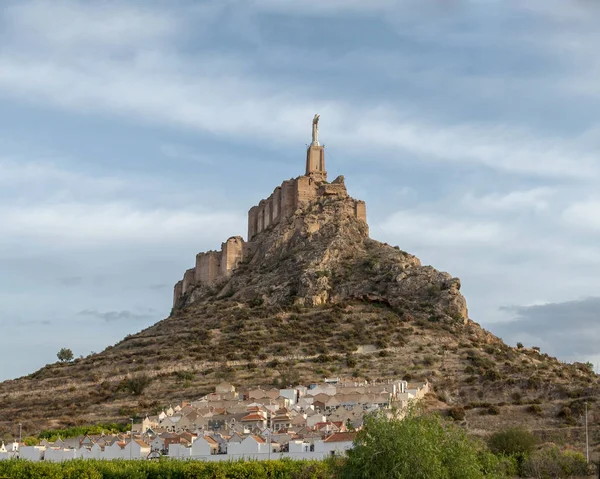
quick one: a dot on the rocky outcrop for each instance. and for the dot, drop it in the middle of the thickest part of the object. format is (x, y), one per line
(323, 254)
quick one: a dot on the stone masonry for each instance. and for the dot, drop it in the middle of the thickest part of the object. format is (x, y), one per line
(286, 199)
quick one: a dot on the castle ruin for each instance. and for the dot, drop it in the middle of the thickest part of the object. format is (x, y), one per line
(286, 199)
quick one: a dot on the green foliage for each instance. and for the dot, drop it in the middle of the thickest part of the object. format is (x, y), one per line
(30, 441)
(92, 469)
(107, 428)
(65, 355)
(137, 384)
(552, 463)
(417, 447)
(519, 345)
(513, 441)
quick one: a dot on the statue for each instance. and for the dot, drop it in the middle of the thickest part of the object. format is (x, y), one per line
(315, 130)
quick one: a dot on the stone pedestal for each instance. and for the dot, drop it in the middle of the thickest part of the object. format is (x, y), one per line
(315, 162)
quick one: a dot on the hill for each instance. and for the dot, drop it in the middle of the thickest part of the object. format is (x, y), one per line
(310, 296)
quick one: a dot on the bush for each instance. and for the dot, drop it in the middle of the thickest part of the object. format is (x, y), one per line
(65, 355)
(416, 447)
(493, 410)
(512, 442)
(123, 469)
(137, 384)
(554, 463)
(457, 413)
(535, 409)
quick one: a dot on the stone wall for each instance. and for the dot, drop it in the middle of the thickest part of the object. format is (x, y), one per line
(360, 209)
(232, 254)
(189, 280)
(208, 266)
(213, 265)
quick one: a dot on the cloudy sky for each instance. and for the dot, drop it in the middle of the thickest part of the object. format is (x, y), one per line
(134, 135)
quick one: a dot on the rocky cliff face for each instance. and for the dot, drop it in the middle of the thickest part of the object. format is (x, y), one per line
(323, 255)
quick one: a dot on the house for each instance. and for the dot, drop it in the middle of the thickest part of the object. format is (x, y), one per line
(290, 394)
(252, 419)
(299, 448)
(249, 447)
(179, 451)
(205, 446)
(281, 420)
(59, 454)
(336, 444)
(32, 453)
(136, 449)
(313, 419)
(115, 450)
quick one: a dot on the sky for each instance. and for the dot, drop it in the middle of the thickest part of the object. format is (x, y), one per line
(135, 134)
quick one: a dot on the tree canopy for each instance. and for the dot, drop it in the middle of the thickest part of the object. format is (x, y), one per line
(418, 447)
(65, 355)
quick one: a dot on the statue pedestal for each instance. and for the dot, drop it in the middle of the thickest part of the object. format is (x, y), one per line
(315, 162)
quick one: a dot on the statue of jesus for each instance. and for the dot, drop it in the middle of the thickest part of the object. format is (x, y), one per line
(315, 130)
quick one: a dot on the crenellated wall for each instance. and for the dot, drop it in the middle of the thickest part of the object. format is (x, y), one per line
(285, 200)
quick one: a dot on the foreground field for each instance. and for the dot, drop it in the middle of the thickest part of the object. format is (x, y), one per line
(81, 469)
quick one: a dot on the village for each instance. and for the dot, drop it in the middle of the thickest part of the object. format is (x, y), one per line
(302, 422)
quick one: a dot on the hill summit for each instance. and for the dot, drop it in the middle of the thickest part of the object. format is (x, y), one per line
(309, 295)
(308, 244)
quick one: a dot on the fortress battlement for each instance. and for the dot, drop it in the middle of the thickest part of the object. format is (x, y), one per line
(286, 199)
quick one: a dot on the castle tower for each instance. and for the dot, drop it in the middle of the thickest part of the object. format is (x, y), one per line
(315, 155)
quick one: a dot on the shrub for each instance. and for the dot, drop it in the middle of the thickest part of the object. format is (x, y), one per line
(535, 409)
(65, 355)
(493, 410)
(137, 384)
(416, 447)
(513, 441)
(519, 345)
(554, 463)
(428, 360)
(457, 413)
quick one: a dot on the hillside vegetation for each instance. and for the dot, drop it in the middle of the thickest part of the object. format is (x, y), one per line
(318, 298)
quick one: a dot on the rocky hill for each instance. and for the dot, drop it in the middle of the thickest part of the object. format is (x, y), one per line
(317, 297)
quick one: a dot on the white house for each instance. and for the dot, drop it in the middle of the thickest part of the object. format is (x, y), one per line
(32, 453)
(136, 449)
(204, 446)
(249, 447)
(179, 451)
(336, 444)
(59, 454)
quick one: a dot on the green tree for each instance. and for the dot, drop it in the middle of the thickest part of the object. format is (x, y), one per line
(65, 355)
(417, 447)
(30, 441)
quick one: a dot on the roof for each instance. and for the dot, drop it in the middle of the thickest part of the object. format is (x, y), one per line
(258, 439)
(210, 440)
(253, 417)
(341, 437)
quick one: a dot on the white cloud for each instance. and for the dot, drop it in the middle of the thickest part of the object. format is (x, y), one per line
(536, 199)
(113, 223)
(225, 97)
(78, 24)
(435, 229)
(584, 214)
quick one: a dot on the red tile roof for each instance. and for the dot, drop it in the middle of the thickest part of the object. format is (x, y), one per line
(341, 437)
